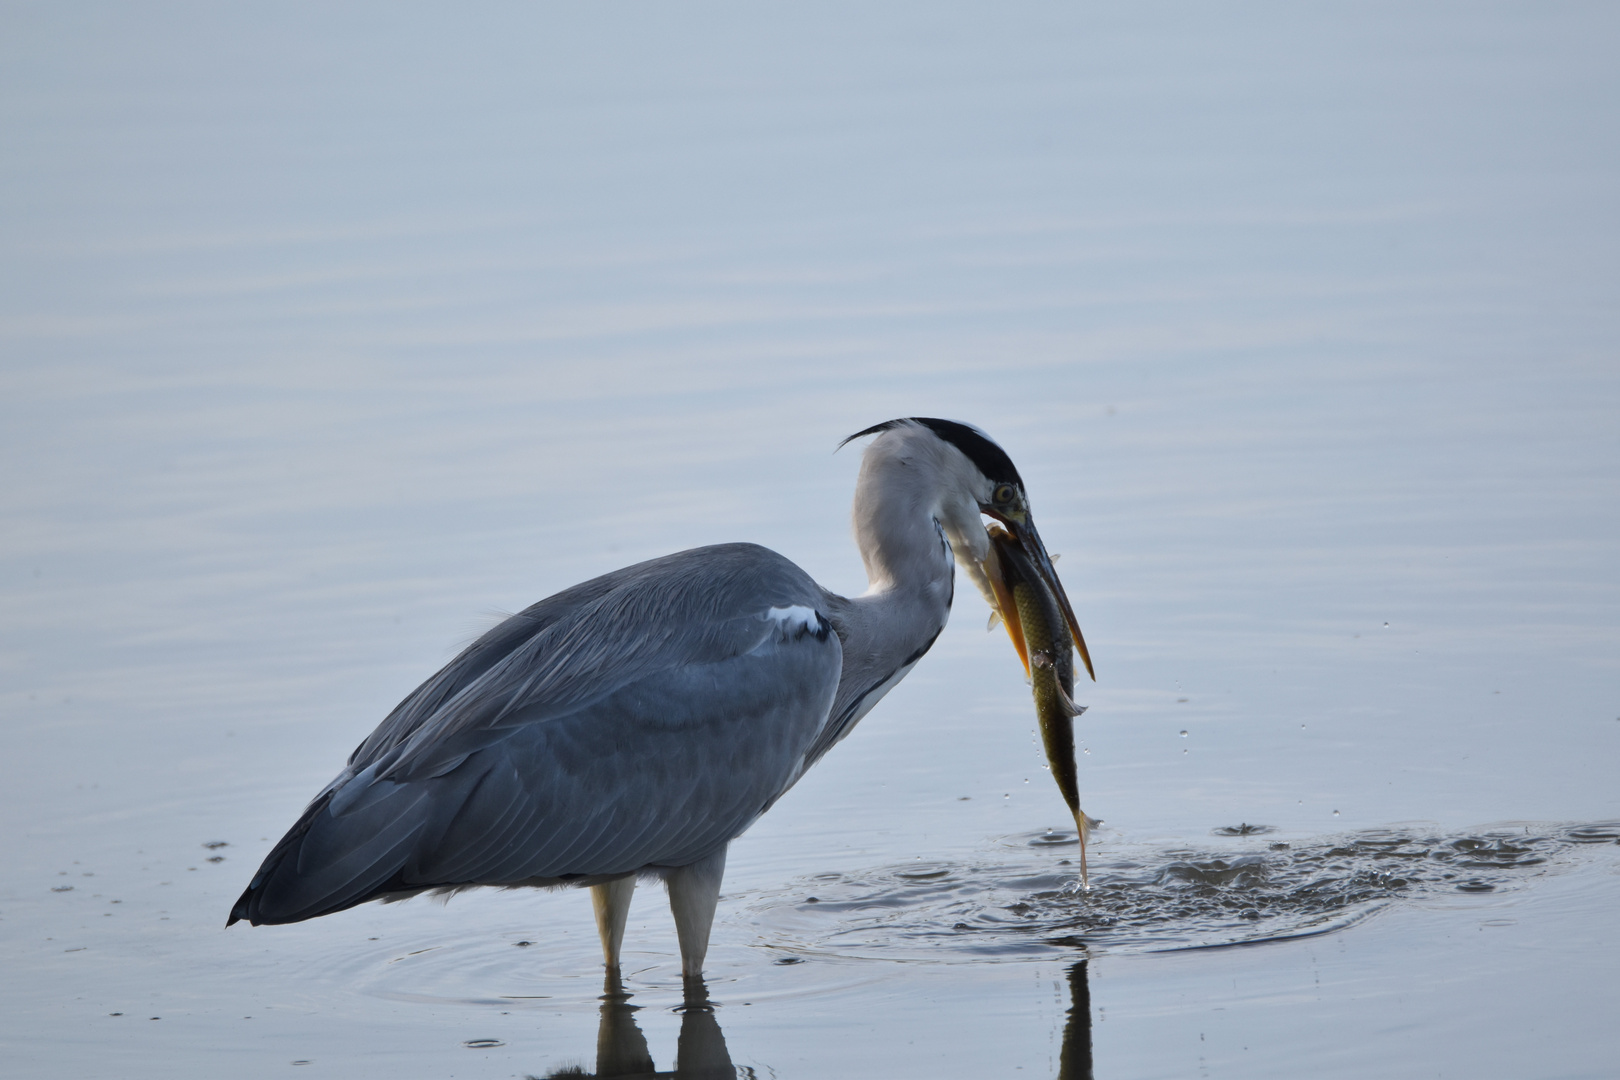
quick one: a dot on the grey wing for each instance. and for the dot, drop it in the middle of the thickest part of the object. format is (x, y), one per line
(643, 719)
(475, 661)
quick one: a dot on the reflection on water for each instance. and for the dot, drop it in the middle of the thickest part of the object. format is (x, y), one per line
(1246, 887)
(701, 1054)
(1150, 900)
(1074, 1062)
(621, 1048)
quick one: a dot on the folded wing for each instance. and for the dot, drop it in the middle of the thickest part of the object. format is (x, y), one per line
(641, 719)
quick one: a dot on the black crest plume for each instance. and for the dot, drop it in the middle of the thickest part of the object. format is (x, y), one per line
(980, 449)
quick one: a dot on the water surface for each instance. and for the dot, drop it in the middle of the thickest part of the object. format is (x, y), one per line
(329, 336)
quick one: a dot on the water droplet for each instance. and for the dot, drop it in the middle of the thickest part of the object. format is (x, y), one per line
(1386, 626)
(1026, 779)
(1183, 733)
(482, 1044)
(1335, 813)
(1085, 749)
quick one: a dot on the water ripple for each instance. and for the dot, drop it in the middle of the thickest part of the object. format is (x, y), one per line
(1148, 899)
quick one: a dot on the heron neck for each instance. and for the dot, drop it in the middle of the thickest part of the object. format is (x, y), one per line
(910, 571)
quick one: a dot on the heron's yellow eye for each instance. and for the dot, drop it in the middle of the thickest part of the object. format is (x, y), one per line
(1003, 494)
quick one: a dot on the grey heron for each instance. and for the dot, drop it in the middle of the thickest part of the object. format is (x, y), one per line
(635, 724)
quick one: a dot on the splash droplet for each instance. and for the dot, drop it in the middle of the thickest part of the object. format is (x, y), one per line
(1183, 733)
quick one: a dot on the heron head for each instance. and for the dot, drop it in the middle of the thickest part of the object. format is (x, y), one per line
(985, 484)
(1009, 506)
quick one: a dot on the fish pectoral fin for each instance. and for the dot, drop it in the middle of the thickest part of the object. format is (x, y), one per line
(1065, 701)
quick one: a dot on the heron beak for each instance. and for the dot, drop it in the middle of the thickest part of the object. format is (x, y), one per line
(1029, 541)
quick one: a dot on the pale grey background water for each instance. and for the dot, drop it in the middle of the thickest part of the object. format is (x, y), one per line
(328, 334)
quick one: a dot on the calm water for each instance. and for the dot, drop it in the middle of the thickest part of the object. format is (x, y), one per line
(329, 336)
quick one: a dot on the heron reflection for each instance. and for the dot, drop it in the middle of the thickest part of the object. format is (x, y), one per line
(701, 1054)
(621, 1048)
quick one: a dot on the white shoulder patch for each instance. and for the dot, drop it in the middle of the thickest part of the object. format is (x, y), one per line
(796, 619)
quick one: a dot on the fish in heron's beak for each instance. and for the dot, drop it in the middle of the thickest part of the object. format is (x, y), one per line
(1019, 536)
(1038, 618)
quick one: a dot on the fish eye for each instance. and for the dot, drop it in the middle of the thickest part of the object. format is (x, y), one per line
(1003, 494)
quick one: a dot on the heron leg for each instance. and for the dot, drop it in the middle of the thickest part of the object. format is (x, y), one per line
(612, 903)
(693, 892)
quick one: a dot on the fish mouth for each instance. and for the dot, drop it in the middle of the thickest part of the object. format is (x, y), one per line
(1001, 569)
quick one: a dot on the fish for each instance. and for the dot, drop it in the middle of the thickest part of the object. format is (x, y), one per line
(1035, 623)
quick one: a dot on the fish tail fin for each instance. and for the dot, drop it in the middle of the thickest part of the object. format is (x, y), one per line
(1082, 828)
